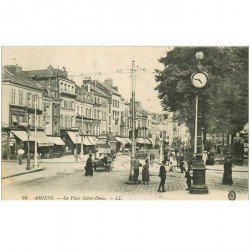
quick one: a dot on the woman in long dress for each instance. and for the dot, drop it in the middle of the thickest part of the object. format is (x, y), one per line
(145, 172)
(227, 175)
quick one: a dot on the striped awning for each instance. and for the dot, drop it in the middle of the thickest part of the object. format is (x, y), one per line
(22, 135)
(42, 139)
(140, 140)
(56, 140)
(147, 141)
(128, 140)
(122, 140)
(92, 140)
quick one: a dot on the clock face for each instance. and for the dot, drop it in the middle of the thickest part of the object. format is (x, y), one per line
(199, 80)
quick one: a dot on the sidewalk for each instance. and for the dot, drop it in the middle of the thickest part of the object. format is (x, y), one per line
(14, 169)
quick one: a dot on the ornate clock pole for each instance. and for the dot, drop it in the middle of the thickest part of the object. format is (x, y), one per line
(199, 81)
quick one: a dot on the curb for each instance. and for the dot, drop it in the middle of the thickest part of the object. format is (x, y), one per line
(22, 173)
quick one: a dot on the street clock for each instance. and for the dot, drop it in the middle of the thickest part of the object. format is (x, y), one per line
(199, 80)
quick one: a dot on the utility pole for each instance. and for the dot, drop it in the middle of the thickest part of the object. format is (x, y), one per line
(133, 158)
(81, 155)
(35, 155)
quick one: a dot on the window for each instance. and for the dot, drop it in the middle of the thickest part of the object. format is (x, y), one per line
(21, 118)
(13, 96)
(38, 102)
(21, 98)
(27, 99)
(13, 120)
(77, 109)
(33, 101)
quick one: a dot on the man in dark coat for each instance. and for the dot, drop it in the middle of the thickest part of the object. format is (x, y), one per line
(188, 176)
(136, 169)
(162, 175)
(89, 166)
(181, 162)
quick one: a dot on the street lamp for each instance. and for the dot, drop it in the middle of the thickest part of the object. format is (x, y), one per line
(28, 153)
(35, 155)
(81, 154)
(199, 81)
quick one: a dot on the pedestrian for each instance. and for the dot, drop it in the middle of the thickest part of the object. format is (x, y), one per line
(152, 157)
(188, 176)
(137, 165)
(145, 173)
(20, 154)
(181, 162)
(171, 162)
(162, 175)
(75, 154)
(205, 157)
(89, 166)
(227, 175)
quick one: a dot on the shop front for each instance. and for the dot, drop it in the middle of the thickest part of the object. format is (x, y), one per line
(44, 145)
(59, 146)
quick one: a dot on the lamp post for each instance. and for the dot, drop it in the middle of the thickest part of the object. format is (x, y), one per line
(28, 153)
(199, 81)
(81, 154)
(35, 154)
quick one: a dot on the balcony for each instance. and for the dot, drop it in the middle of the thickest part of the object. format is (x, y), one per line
(66, 94)
(29, 110)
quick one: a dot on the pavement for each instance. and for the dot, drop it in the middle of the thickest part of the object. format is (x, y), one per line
(67, 181)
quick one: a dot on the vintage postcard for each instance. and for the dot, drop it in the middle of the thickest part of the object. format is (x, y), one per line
(124, 123)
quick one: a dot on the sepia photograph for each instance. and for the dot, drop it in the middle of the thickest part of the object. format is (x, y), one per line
(125, 123)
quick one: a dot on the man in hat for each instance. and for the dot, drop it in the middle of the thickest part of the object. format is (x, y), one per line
(20, 154)
(89, 166)
(162, 175)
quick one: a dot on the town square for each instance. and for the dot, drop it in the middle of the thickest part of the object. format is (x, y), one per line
(135, 123)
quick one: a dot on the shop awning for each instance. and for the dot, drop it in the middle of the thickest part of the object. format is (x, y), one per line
(119, 139)
(42, 139)
(74, 137)
(122, 140)
(128, 140)
(147, 141)
(166, 140)
(92, 140)
(140, 140)
(86, 141)
(151, 140)
(56, 140)
(22, 135)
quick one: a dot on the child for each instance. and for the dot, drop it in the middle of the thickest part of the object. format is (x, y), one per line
(188, 177)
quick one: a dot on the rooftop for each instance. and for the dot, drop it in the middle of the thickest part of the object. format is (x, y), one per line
(14, 73)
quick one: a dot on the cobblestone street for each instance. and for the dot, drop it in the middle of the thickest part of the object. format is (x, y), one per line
(59, 180)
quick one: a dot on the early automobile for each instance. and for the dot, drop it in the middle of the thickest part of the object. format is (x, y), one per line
(142, 153)
(104, 163)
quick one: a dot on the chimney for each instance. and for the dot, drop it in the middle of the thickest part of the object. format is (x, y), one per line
(50, 71)
(86, 80)
(109, 82)
(18, 69)
(115, 88)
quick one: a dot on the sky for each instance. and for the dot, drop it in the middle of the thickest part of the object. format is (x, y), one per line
(107, 61)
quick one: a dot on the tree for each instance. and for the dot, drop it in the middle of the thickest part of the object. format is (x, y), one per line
(225, 98)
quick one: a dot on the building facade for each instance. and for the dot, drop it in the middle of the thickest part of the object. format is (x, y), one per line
(22, 109)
